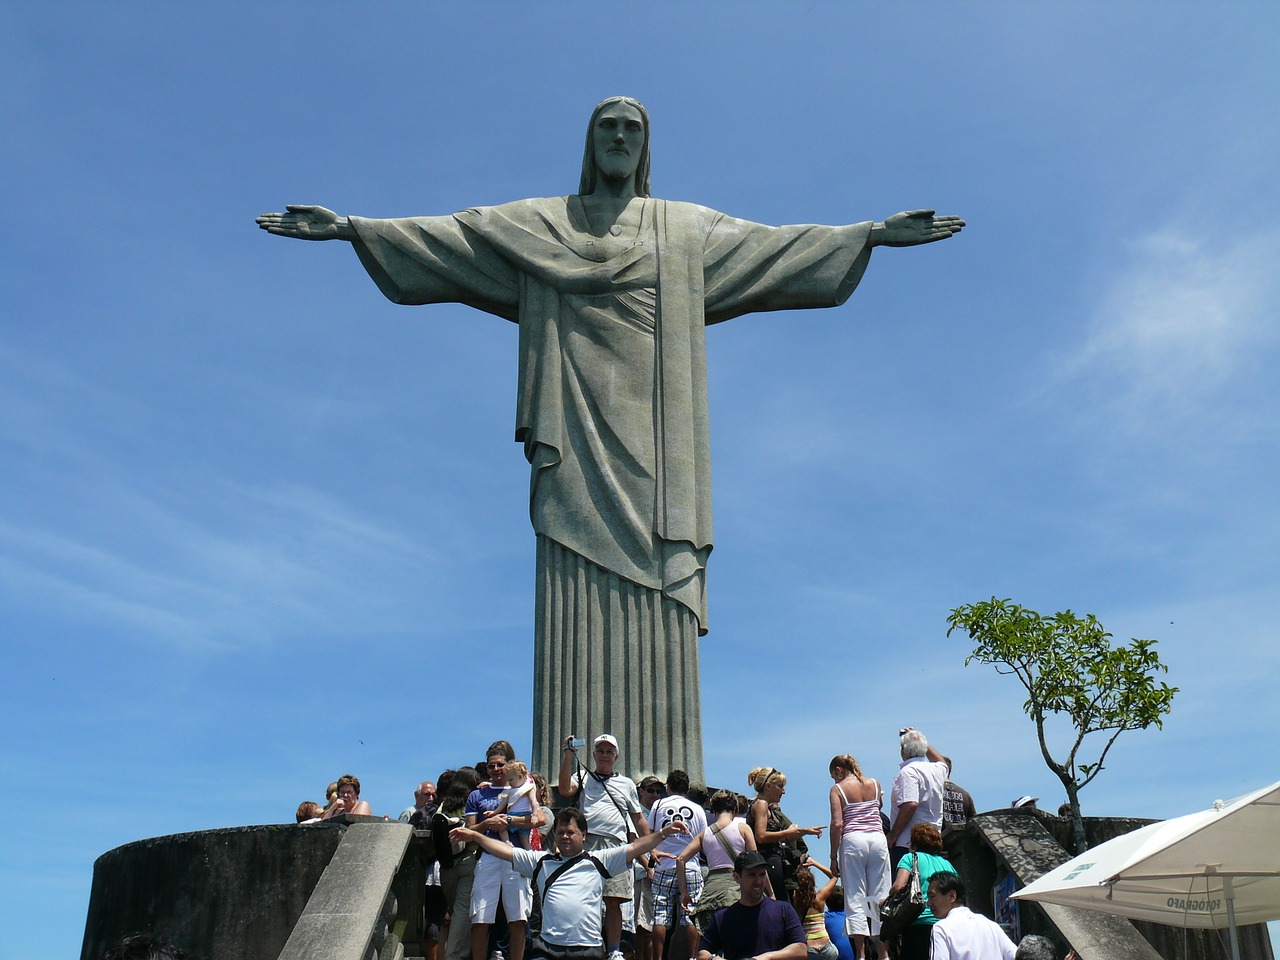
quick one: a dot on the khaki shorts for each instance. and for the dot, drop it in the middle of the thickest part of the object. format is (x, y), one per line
(644, 902)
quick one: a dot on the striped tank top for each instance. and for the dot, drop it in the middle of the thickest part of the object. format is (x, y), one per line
(860, 815)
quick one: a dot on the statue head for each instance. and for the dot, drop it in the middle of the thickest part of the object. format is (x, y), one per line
(590, 166)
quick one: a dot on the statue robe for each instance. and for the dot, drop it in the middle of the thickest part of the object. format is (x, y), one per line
(612, 412)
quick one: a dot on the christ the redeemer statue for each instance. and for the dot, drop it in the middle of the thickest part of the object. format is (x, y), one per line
(612, 290)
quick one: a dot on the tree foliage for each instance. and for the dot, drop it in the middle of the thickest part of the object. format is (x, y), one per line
(1069, 666)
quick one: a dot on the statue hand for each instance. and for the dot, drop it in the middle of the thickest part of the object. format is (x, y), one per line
(914, 227)
(307, 223)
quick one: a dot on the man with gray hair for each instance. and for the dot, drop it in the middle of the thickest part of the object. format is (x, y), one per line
(917, 790)
(1035, 947)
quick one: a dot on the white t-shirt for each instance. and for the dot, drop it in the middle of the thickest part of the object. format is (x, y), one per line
(670, 810)
(920, 781)
(604, 819)
(571, 907)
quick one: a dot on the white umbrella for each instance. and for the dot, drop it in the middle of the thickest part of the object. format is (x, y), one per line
(1212, 869)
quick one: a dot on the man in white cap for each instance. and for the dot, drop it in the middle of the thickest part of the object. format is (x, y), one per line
(1025, 801)
(611, 805)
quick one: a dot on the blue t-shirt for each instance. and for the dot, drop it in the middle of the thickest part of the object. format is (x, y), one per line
(834, 921)
(483, 800)
(737, 931)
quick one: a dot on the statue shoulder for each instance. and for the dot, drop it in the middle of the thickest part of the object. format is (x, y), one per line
(517, 209)
(687, 209)
(691, 216)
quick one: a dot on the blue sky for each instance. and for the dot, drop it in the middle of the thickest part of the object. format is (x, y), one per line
(260, 527)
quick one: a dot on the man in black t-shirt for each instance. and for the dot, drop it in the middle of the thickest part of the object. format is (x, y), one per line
(957, 805)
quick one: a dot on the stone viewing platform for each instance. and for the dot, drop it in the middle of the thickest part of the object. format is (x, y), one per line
(352, 889)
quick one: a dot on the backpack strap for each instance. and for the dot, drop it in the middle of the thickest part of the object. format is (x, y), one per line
(622, 812)
(715, 832)
(559, 871)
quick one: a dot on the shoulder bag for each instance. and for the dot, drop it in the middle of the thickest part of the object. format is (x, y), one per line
(903, 908)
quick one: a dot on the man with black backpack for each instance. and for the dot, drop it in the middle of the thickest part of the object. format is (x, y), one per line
(611, 805)
(570, 882)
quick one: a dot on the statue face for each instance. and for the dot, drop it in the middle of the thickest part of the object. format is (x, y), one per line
(618, 139)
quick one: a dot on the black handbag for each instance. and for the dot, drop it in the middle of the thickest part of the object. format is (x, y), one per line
(903, 908)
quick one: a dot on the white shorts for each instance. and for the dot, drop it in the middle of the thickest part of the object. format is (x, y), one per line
(497, 880)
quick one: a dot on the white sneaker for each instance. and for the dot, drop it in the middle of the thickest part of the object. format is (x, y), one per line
(616, 955)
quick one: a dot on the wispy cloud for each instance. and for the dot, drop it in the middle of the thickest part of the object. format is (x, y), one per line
(296, 560)
(1183, 320)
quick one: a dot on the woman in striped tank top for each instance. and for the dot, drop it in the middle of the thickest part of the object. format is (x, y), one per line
(859, 850)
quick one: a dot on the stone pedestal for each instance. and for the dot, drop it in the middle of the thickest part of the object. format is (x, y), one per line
(614, 657)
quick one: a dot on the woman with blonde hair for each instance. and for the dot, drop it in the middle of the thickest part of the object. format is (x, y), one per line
(779, 841)
(859, 850)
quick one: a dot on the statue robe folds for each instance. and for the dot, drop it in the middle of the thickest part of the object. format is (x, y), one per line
(612, 412)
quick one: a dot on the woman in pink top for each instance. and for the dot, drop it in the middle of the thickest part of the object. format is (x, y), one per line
(859, 851)
(723, 840)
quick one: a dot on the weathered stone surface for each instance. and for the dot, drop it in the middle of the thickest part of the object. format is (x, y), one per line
(351, 896)
(235, 892)
(612, 290)
(1030, 851)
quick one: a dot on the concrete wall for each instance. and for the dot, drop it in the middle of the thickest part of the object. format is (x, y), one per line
(218, 894)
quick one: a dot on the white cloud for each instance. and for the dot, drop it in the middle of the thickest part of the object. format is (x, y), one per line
(291, 559)
(1181, 323)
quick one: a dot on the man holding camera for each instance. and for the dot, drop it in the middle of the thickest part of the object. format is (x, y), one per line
(611, 805)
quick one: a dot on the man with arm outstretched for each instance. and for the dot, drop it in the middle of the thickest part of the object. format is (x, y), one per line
(571, 882)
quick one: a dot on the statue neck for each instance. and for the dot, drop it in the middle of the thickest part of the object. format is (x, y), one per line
(623, 189)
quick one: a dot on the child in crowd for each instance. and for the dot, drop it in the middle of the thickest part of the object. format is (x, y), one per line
(518, 801)
(309, 812)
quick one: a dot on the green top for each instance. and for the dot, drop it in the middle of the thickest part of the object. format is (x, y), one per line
(930, 863)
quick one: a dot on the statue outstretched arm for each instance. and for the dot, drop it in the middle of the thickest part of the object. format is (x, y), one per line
(913, 227)
(305, 222)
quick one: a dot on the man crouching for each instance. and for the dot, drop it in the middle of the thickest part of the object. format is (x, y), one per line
(571, 883)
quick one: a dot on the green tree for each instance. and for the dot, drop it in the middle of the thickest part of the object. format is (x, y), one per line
(1068, 666)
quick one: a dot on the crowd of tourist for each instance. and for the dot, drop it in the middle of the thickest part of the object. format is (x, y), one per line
(670, 871)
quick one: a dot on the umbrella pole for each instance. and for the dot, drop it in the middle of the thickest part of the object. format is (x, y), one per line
(1229, 894)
